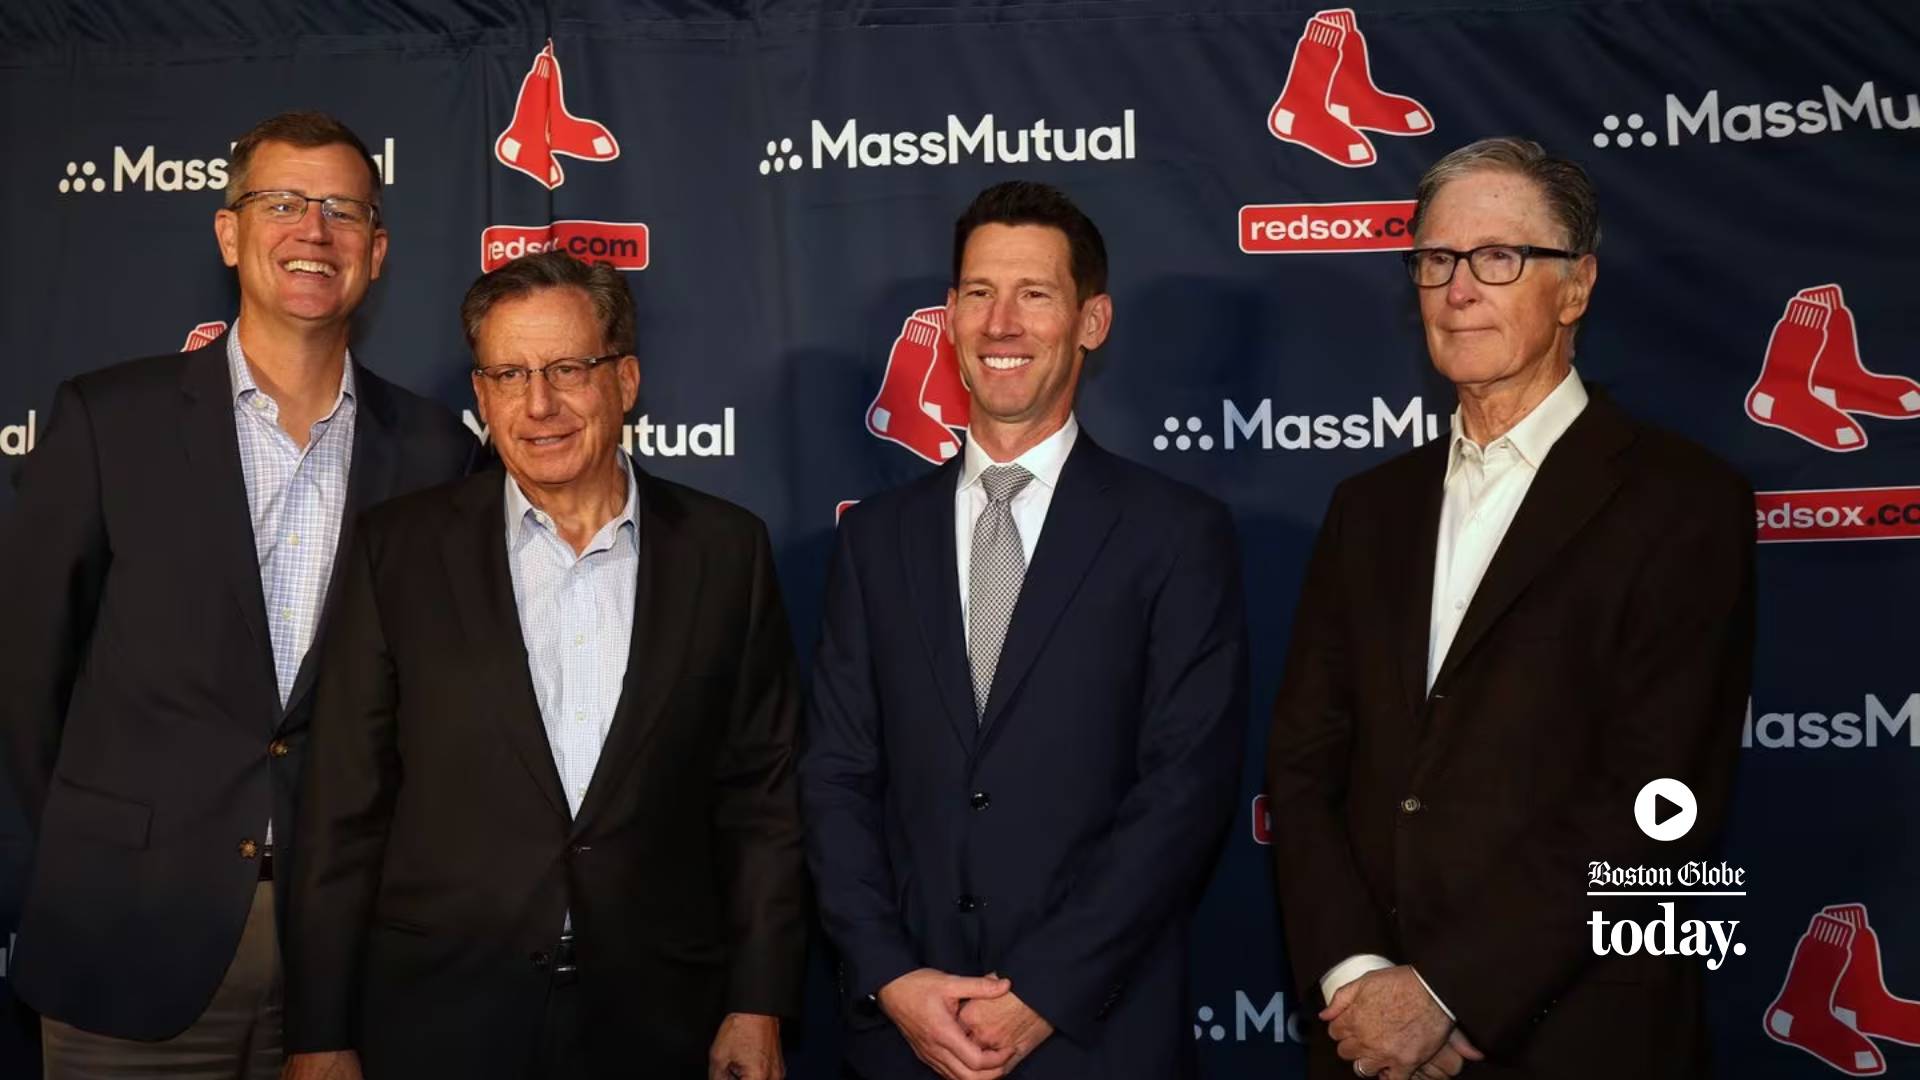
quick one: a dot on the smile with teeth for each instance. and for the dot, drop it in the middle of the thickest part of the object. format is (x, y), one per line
(1006, 363)
(308, 266)
(550, 440)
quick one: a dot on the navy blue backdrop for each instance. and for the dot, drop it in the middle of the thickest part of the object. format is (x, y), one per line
(780, 179)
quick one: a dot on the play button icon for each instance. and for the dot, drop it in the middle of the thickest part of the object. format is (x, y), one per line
(1665, 809)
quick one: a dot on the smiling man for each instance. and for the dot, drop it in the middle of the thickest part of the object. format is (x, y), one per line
(1025, 732)
(550, 827)
(1502, 638)
(166, 571)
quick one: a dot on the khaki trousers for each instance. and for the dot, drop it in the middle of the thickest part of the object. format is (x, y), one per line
(237, 1038)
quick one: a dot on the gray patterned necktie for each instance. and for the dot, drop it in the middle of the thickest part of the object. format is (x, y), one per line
(993, 576)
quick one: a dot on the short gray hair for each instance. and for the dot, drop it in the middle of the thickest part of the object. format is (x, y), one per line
(602, 284)
(1564, 185)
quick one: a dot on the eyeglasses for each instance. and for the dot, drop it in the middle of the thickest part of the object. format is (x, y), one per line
(513, 379)
(289, 207)
(1492, 264)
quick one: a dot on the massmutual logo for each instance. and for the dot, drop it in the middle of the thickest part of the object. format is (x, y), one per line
(1872, 723)
(650, 438)
(1715, 119)
(987, 139)
(1265, 428)
(1253, 1018)
(146, 168)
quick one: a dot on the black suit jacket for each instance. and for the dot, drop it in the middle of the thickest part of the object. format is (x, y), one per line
(138, 701)
(1062, 840)
(1609, 643)
(439, 858)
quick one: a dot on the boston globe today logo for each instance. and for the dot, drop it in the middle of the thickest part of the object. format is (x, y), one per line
(1665, 810)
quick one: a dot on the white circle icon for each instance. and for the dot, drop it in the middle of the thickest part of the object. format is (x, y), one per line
(1665, 809)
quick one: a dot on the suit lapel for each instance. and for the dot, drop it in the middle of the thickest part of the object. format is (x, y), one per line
(932, 571)
(213, 455)
(667, 592)
(1419, 536)
(1082, 514)
(370, 479)
(1578, 478)
(475, 552)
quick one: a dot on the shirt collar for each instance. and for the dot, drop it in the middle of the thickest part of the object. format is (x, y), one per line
(520, 510)
(1533, 437)
(1044, 460)
(244, 388)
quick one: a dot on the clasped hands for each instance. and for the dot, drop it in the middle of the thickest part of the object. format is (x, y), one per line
(963, 1027)
(1390, 1027)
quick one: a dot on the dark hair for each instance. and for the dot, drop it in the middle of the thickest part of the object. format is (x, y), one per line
(1025, 202)
(602, 284)
(1564, 185)
(302, 129)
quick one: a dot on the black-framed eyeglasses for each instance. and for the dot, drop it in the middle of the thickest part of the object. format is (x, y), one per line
(288, 207)
(1492, 264)
(560, 374)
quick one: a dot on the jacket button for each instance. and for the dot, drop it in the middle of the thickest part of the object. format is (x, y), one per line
(1411, 805)
(969, 902)
(980, 800)
(539, 960)
(279, 748)
(249, 849)
(581, 849)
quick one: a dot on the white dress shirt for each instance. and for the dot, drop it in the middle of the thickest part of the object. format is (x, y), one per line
(1484, 489)
(1029, 508)
(295, 497)
(576, 618)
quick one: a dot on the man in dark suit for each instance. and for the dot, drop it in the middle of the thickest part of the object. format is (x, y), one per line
(1028, 706)
(165, 572)
(550, 826)
(1502, 638)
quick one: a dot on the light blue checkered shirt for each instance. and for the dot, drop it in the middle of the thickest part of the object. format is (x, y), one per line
(296, 498)
(576, 617)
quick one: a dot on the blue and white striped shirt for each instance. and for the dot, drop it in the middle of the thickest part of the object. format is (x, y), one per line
(576, 617)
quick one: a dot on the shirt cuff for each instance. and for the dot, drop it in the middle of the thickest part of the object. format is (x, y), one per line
(1352, 968)
(1434, 996)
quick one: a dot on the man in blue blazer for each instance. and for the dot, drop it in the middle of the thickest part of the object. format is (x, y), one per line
(1025, 732)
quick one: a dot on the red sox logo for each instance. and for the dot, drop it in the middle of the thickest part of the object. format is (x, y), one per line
(542, 128)
(203, 335)
(1330, 97)
(1835, 996)
(1812, 378)
(922, 404)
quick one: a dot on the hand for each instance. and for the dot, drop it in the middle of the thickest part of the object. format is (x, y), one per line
(925, 1006)
(326, 1065)
(747, 1047)
(1387, 1023)
(1451, 1059)
(1005, 1023)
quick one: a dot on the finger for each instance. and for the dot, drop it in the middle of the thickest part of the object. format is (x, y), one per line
(1342, 998)
(1444, 1063)
(963, 987)
(949, 1065)
(1464, 1046)
(1348, 1049)
(947, 1034)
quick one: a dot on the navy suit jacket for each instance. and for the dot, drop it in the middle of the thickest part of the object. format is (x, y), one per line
(141, 729)
(1061, 840)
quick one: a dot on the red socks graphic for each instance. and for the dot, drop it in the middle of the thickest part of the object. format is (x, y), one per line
(1862, 999)
(1840, 380)
(921, 395)
(203, 335)
(1783, 397)
(1813, 377)
(542, 127)
(1330, 95)
(1803, 1014)
(1836, 995)
(1355, 99)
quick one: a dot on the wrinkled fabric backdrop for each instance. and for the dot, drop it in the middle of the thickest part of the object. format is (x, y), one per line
(780, 180)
